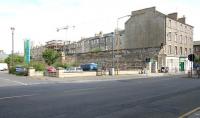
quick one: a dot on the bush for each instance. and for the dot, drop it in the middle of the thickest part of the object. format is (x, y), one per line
(38, 66)
(12, 70)
(62, 65)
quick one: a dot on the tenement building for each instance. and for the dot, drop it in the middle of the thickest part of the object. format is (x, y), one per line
(149, 28)
(196, 48)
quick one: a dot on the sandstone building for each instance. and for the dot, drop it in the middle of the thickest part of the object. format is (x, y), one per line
(149, 28)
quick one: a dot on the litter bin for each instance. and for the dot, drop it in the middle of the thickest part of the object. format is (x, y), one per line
(99, 72)
(189, 73)
(111, 71)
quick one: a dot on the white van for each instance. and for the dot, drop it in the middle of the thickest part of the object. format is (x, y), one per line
(3, 66)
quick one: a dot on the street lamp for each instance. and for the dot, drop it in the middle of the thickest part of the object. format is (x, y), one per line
(117, 38)
(12, 29)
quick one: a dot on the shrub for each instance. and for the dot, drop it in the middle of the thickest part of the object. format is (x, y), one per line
(62, 65)
(12, 70)
(38, 66)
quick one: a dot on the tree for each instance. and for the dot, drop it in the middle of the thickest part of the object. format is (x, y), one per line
(50, 56)
(16, 59)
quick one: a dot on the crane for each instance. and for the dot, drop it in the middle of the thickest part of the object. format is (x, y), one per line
(65, 28)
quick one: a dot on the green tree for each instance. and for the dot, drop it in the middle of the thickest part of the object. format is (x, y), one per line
(16, 59)
(50, 56)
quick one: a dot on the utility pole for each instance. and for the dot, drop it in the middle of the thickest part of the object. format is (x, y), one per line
(12, 29)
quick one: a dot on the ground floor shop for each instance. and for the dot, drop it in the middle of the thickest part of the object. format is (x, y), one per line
(174, 64)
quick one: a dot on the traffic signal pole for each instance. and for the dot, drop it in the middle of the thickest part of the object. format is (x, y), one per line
(191, 69)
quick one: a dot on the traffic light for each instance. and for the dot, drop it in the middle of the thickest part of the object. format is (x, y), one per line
(191, 57)
(148, 59)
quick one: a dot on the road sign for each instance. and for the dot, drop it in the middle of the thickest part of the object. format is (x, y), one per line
(27, 51)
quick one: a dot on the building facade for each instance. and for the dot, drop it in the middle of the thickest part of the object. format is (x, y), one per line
(196, 48)
(149, 28)
(100, 42)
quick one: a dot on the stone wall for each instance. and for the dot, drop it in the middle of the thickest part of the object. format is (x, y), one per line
(125, 59)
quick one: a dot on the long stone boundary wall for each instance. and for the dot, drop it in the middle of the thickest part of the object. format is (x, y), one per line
(124, 59)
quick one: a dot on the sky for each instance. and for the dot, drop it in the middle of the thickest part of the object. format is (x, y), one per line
(38, 20)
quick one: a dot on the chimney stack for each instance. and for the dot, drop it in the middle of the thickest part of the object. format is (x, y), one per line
(182, 20)
(173, 16)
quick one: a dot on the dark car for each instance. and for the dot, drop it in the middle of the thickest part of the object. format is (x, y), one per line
(89, 67)
(20, 70)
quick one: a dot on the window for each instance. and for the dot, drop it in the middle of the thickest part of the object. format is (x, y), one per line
(185, 39)
(181, 27)
(175, 24)
(170, 49)
(180, 39)
(181, 51)
(176, 50)
(185, 51)
(169, 36)
(176, 36)
(170, 22)
(190, 50)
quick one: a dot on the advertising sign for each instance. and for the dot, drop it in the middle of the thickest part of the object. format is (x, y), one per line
(27, 51)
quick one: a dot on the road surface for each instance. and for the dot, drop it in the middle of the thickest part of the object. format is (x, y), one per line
(167, 97)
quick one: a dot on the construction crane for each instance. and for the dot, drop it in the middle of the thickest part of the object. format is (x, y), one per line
(65, 28)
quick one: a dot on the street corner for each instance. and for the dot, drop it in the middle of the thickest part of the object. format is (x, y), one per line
(195, 113)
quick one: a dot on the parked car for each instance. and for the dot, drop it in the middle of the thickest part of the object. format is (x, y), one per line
(51, 69)
(74, 69)
(20, 70)
(3, 66)
(89, 67)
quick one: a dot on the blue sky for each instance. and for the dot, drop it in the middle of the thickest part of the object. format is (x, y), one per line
(38, 19)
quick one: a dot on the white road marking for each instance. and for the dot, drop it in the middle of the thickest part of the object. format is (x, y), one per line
(189, 113)
(15, 81)
(20, 96)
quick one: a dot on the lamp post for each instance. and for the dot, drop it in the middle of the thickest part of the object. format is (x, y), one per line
(12, 29)
(117, 38)
(113, 51)
(112, 69)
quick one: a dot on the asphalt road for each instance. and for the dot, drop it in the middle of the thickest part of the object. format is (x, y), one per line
(137, 98)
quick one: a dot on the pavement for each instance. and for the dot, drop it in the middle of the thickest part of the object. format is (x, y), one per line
(13, 80)
(111, 78)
